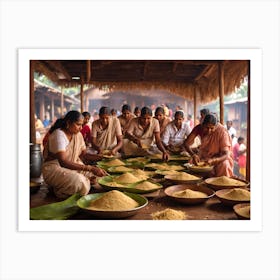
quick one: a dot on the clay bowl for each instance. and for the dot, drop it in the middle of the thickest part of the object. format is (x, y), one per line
(175, 188)
(229, 202)
(238, 211)
(211, 183)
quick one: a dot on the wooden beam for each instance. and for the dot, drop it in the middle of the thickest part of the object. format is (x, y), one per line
(204, 72)
(221, 90)
(59, 68)
(40, 67)
(32, 103)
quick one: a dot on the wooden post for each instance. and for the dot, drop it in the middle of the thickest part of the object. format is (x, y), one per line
(62, 102)
(221, 90)
(195, 103)
(52, 108)
(82, 95)
(248, 151)
(32, 104)
(42, 107)
(88, 71)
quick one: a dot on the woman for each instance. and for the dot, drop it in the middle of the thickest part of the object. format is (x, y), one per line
(86, 128)
(141, 133)
(125, 118)
(162, 119)
(63, 168)
(106, 133)
(215, 148)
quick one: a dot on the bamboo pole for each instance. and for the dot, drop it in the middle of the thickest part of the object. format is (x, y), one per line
(52, 108)
(248, 151)
(221, 90)
(32, 104)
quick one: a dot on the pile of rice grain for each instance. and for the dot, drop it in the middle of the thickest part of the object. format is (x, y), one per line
(244, 211)
(126, 178)
(113, 201)
(189, 194)
(237, 194)
(146, 185)
(122, 169)
(226, 181)
(169, 214)
(182, 176)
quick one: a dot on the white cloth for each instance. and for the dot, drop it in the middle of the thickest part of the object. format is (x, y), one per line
(174, 136)
(58, 141)
(232, 131)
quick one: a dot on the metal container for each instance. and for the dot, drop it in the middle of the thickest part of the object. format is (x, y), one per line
(36, 160)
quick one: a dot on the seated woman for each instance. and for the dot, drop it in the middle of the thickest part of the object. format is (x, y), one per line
(106, 133)
(141, 133)
(162, 119)
(175, 134)
(125, 118)
(86, 128)
(64, 152)
(215, 148)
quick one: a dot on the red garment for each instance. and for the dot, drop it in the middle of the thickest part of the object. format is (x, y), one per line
(235, 151)
(86, 132)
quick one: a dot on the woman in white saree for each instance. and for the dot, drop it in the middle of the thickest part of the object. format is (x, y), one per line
(64, 152)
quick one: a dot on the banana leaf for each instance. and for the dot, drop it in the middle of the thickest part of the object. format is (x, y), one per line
(56, 211)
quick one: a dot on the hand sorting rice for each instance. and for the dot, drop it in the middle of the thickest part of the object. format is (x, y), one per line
(113, 201)
(237, 194)
(169, 214)
(189, 194)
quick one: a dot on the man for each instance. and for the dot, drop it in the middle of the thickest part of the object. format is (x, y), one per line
(175, 133)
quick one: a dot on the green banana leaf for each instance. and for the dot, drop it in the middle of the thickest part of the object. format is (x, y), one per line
(56, 211)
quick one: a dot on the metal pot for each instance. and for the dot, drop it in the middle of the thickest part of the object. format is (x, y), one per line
(36, 160)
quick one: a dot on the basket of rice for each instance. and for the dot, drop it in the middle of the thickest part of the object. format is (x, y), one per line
(201, 167)
(233, 196)
(224, 182)
(242, 210)
(189, 194)
(112, 205)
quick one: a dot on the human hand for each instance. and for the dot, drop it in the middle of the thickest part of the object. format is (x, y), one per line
(165, 156)
(98, 171)
(195, 159)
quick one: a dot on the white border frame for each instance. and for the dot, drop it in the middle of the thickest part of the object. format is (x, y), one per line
(25, 55)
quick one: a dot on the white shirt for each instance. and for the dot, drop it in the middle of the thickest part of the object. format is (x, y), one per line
(231, 131)
(58, 141)
(174, 136)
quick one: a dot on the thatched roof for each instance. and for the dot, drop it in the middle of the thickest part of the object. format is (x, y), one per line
(179, 77)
